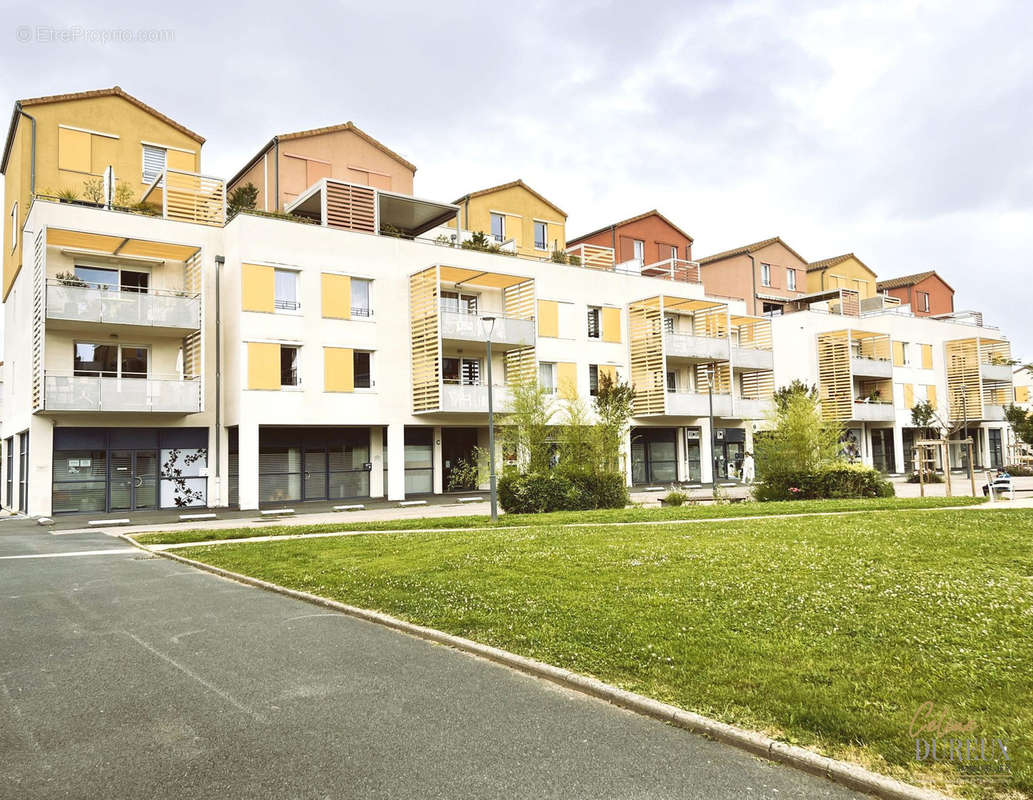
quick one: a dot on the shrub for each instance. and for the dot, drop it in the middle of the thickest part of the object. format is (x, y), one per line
(836, 480)
(927, 477)
(675, 499)
(1019, 471)
(535, 493)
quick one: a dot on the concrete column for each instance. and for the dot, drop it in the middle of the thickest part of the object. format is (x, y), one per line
(898, 449)
(679, 449)
(706, 451)
(41, 467)
(627, 456)
(376, 458)
(396, 461)
(439, 464)
(247, 465)
(218, 474)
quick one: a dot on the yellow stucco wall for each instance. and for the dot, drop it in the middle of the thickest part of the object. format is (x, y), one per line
(521, 209)
(111, 115)
(848, 274)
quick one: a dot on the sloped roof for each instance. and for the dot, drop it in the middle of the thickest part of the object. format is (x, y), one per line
(114, 91)
(344, 126)
(628, 221)
(825, 263)
(750, 248)
(910, 280)
(502, 186)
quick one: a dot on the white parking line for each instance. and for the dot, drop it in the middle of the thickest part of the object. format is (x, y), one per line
(120, 551)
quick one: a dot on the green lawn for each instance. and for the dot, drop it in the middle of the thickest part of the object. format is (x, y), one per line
(826, 632)
(566, 518)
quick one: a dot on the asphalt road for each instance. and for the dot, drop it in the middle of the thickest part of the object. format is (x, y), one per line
(129, 676)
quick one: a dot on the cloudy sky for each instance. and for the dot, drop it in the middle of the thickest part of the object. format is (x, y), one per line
(898, 130)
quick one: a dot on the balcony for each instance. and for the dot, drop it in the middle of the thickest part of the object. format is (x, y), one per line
(697, 404)
(170, 395)
(695, 348)
(996, 373)
(750, 408)
(993, 412)
(459, 399)
(673, 269)
(73, 307)
(871, 367)
(750, 358)
(874, 412)
(464, 328)
(188, 197)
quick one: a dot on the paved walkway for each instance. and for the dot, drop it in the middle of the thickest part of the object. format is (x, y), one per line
(127, 676)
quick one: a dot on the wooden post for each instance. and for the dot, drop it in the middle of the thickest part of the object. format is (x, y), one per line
(947, 465)
(920, 460)
(971, 472)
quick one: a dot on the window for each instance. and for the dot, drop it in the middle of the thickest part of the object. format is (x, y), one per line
(14, 226)
(668, 323)
(362, 369)
(541, 235)
(113, 279)
(547, 377)
(289, 366)
(791, 280)
(594, 327)
(923, 301)
(286, 292)
(765, 274)
(153, 163)
(593, 379)
(772, 309)
(639, 249)
(674, 252)
(110, 361)
(672, 381)
(360, 290)
(498, 227)
(459, 303)
(461, 371)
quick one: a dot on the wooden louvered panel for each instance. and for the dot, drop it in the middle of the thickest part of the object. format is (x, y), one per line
(39, 295)
(518, 302)
(835, 385)
(521, 365)
(192, 355)
(872, 345)
(194, 198)
(721, 373)
(755, 334)
(425, 344)
(964, 385)
(758, 385)
(351, 207)
(192, 274)
(648, 368)
(712, 322)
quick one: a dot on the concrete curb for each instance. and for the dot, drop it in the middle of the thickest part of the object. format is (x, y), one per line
(849, 775)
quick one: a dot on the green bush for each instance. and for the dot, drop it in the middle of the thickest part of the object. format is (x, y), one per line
(535, 493)
(675, 499)
(928, 477)
(837, 480)
(1019, 471)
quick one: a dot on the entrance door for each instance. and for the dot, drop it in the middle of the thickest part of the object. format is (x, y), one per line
(654, 455)
(883, 456)
(134, 480)
(996, 448)
(729, 460)
(457, 449)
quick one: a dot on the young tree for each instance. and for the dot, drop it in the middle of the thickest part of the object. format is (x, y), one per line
(781, 396)
(800, 439)
(526, 430)
(1021, 423)
(577, 437)
(613, 405)
(243, 198)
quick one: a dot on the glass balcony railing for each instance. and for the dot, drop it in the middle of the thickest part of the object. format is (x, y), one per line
(154, 308)
(169, 394)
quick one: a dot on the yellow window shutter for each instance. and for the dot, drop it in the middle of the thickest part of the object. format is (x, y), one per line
(263, 366)
(909, 395)
(1021, 394)
(927, 356)
(338, 369)
(548, 318)
(930, 395)
(104, 154)
(611, 324)
(73, 150)
(258, 287)
(608, 369)
(177, 159)
(337, 296)
(566, 379)
(898, 354)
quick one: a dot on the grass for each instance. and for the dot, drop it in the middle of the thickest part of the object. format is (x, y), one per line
(826, 633)
(678, 513)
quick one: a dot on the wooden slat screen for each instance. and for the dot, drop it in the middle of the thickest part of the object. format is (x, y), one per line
(964, 386)
(755, 334)
(39, 299)
(190, 197)
(711, 322)
(425, 342)
(518, 302)
(351, 207)
(722, 376)
(648, 365)
(758, 385)
(192, 355)
(835, 385)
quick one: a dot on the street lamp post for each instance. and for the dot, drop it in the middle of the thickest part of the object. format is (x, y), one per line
(489, 327)
(713, 450)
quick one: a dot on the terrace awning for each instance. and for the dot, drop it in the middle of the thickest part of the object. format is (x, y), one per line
(105, 244)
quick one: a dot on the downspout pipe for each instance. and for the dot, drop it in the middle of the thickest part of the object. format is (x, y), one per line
(276, 170)
(32, 159)
(219, 262)
(753, 274)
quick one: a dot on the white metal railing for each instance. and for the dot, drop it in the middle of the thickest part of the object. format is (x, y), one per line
(156, 307)
(592, 256)
(65, 392)
(675, 269)
(468, 327)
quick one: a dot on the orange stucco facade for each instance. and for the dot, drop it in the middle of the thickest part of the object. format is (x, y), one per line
(927, 297)
(742, 275)
(660, 239)
(291, 163)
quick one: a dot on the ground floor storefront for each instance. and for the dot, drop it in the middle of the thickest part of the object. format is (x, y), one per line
(891, 449)
(683, 454)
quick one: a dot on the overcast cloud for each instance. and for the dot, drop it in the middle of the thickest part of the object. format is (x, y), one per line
(899, 130)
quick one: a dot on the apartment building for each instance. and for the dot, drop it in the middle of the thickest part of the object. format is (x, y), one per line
(516, 219)
(648, 243)
(926, 293)
(842, 272)
(767, 274)
(158, 355)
